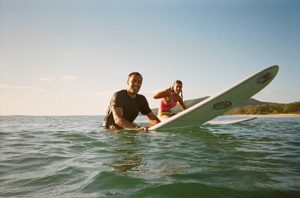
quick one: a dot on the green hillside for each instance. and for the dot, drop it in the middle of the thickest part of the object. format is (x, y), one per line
(251, 106)
(262, 108)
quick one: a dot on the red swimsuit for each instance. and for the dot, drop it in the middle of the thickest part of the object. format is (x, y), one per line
(166, 104)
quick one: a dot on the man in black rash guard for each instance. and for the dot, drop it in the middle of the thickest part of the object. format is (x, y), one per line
(125, 105)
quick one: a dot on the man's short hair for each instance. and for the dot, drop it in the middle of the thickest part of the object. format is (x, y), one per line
(134, 73)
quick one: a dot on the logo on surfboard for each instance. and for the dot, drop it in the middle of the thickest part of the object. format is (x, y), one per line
(222, 105)
(262, 79)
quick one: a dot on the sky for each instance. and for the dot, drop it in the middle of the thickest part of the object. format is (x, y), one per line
(67, 57)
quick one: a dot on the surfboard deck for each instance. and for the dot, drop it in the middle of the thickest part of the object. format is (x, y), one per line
(225, 122)
(220, 103)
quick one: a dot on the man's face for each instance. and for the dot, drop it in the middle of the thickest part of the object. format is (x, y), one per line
(134, 84)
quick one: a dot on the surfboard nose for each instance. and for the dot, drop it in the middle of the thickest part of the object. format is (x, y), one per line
(267, 75)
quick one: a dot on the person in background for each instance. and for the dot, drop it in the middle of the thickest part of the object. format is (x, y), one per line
(169, 98)
(125, 105)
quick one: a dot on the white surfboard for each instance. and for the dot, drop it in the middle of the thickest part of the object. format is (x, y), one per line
(225, 122)
(220, 103)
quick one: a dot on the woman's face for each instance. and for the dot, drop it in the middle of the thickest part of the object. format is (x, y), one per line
(177, 87)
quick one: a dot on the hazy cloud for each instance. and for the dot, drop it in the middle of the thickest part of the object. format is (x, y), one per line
(47, 79)
(31, 90)
(101, 93)
(68, 77)
(64, 77)
(10, 87)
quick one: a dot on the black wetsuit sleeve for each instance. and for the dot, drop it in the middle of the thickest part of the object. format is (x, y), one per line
(144, 109)
(116, 100)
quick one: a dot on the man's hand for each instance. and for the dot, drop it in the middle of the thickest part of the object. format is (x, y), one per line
(142, 128)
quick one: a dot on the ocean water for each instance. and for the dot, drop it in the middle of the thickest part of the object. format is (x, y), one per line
(73, 156)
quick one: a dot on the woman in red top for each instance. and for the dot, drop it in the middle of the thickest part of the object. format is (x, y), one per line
(169, 98)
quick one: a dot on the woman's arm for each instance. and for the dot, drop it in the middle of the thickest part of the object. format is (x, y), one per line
(162, 94)
(181, 103)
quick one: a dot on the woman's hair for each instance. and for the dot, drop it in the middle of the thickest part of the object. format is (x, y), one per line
(178, 82)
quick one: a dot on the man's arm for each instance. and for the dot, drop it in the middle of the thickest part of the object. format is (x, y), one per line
(120, 120)
(152, 118)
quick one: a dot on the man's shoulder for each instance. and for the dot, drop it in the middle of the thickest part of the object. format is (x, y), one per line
(119, 95)
(123, 93)
(141, 97)
(120, 92)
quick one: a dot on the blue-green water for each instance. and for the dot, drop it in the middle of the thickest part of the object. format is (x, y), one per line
(74, 157)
